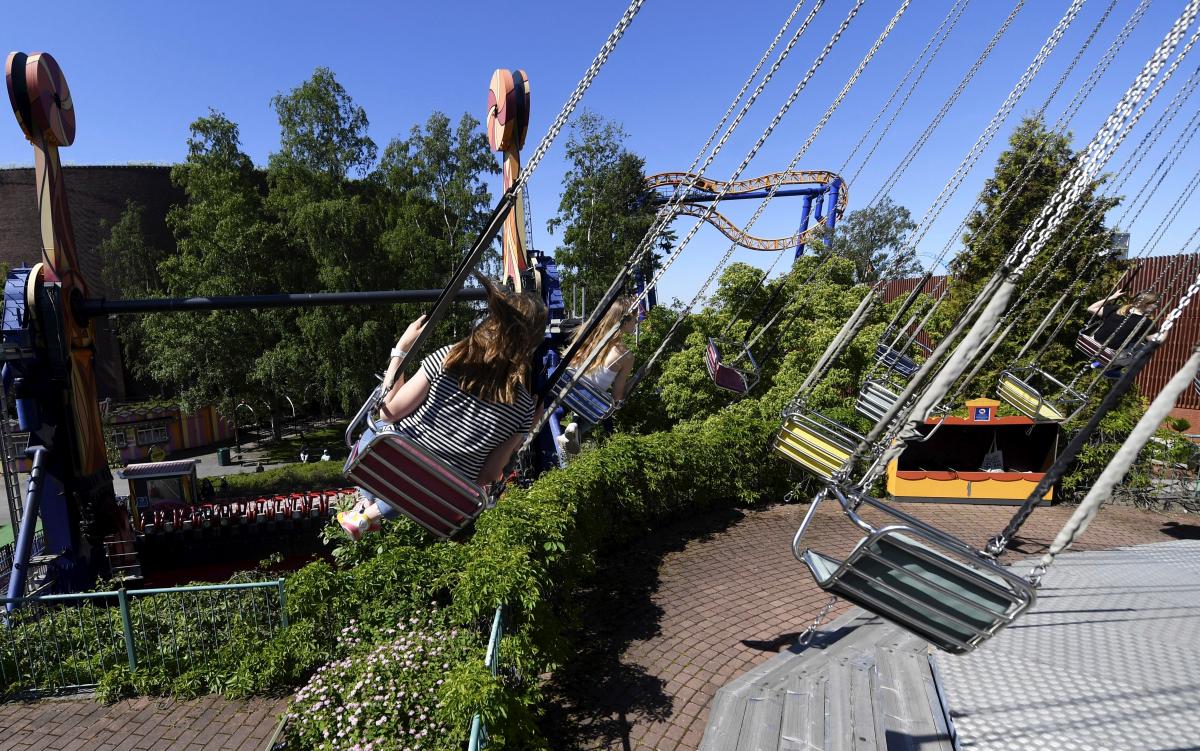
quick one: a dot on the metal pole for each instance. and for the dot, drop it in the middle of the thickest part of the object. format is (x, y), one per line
(102, 307)
(282, 605)
(127, 627)
(805, 216)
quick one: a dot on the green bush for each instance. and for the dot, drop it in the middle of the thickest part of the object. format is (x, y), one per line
(288, 478)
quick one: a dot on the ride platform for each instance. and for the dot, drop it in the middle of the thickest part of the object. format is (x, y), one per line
(1105, 660)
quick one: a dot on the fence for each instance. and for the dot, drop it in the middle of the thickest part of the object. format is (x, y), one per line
(491, 660)
(8, 553)
(62, 643)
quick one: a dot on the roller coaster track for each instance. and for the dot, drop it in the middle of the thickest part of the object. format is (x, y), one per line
(661, 186)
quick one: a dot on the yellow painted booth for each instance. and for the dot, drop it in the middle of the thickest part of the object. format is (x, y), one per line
(981, 458)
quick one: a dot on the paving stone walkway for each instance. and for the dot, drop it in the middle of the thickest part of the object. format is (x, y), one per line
(672, 619)
(83, 724)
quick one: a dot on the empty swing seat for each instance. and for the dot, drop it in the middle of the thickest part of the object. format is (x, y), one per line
(405, 476)
(918, 577)
(1017, 388)
(737, 380)
(875, 398)
(896, 360)
(585, 400)
(817, 443)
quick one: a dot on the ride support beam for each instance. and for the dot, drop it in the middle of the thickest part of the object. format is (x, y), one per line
(91, 308)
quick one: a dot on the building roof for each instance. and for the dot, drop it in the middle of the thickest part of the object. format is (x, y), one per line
(158, 469)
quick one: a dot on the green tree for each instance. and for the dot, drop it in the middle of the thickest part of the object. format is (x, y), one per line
(129, 269)
(872, 238)
(603, 211)
(1083, 266)
(227, 245)
(322, 130)
(440, 166)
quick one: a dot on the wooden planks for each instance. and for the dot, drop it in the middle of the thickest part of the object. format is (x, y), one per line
(870, 689)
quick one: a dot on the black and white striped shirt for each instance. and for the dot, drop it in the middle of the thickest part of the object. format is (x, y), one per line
(461, 429)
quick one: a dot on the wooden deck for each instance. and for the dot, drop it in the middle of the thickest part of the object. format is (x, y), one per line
(863, 684)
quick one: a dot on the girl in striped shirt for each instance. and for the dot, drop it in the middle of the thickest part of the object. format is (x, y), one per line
(470, 404)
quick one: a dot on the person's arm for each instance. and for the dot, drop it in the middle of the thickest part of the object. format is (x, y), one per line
(394, 387)
(403, 400)
(623, 366)
(493, 468)
(1097, 306)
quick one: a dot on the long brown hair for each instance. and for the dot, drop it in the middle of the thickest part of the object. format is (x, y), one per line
(1145, 303)
(492, 363)
(613, 317)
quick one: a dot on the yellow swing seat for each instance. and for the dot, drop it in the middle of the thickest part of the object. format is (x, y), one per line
(817, 443)
(1017, 388)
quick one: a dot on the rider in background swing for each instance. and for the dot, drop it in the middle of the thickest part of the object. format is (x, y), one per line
(470, 403)
(613, 364)
(1123, 327)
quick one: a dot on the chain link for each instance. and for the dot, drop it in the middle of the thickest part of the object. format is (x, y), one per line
(806, 638)
(890, 182)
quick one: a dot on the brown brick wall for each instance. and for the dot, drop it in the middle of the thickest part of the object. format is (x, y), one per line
(95, 195)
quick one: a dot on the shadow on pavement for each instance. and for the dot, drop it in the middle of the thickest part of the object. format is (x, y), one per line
(595, 699)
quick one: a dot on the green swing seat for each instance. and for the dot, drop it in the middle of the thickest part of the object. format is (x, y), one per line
(918, 577)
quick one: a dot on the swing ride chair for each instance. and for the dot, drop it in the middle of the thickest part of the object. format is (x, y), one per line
(817, 443)
(875, 398)
(726, 376)
(585, 400)
(1094, 349)
(1017, 388)
(918, 577)
(397, 471)
(896, 360)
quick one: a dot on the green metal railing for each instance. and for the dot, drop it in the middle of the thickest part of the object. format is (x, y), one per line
(61, 643)
(491, 660)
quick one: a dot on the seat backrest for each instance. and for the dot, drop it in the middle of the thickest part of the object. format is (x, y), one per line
(408, 478)
(726, 376)
(586, 401)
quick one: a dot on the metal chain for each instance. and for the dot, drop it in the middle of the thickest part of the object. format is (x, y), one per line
(890, 182)
(1013, 192)
(806, 638)
(1099, 150)
(774, 188)
(651, 235)
(989, 132)
(955, 12)
(667, 213)
(572, 102)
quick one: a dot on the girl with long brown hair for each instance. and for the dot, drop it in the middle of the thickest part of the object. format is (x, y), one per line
(470, 404)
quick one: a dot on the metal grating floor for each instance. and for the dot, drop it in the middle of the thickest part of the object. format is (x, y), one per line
(1108, 659)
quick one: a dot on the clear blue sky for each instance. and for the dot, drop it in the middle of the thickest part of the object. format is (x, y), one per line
(141, 71)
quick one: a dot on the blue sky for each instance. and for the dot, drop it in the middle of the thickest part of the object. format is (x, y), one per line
(140, 72)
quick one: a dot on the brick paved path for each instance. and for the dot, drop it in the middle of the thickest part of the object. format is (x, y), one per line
(208, 724)
(671, 620)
